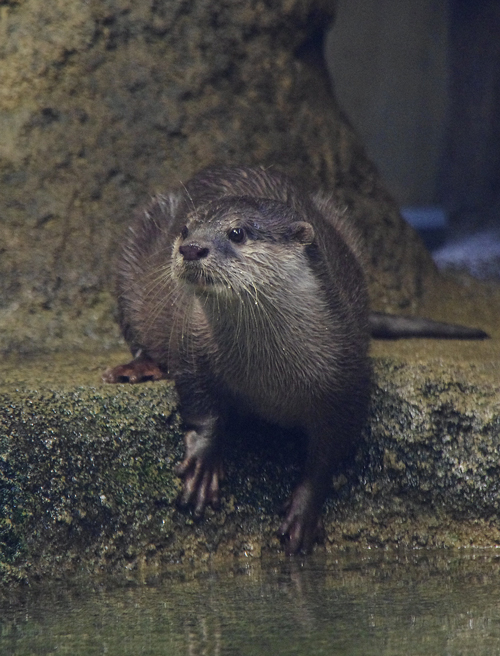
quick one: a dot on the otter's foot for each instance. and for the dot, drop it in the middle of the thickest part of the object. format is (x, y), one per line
(201, 471)
(138, 370)
(302, 526)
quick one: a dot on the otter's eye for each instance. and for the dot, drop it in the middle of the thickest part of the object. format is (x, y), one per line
(184, 232)
(237, 235)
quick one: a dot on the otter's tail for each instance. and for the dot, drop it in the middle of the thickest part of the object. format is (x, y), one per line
(391, 326)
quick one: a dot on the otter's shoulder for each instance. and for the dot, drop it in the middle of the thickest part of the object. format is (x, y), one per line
(254, 182)
(159, 220)
(340, 219)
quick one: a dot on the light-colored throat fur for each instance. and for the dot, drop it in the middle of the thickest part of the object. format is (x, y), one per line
(274, 335)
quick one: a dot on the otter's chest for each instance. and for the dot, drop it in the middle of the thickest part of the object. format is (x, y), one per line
(276, 369)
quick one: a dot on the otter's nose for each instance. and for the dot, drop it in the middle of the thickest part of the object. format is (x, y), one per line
(193, 251)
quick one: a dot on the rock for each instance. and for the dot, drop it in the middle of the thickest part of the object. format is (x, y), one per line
(87, 470)
(104, 104)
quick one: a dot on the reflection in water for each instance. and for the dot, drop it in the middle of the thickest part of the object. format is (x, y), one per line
(370, 603)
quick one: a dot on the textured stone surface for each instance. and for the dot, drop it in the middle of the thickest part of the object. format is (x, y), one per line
(431, 472)
(87, 478)
(105, 103)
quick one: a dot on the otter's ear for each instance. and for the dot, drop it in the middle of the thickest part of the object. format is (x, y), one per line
(302, 232)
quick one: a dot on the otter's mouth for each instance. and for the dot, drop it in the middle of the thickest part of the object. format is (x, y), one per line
(199, 279)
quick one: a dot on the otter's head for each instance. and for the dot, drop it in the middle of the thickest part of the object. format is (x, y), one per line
(236, 246)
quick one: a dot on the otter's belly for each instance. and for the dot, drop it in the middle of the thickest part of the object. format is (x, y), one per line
(284, 401)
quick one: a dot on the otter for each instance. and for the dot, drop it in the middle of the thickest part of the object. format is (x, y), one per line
(250, 293)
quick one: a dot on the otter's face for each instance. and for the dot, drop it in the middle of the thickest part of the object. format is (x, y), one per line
(232, 246)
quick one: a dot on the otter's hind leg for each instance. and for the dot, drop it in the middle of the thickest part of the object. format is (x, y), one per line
(139, 370)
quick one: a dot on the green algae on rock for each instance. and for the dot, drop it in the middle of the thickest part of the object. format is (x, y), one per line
(87, 470)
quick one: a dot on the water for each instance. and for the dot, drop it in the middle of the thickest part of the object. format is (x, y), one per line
(369, 603)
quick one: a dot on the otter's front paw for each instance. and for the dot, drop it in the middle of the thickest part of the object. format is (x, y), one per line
(302, 526)
(201, 471)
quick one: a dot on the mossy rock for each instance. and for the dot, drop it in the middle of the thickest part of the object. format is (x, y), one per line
(88, 479)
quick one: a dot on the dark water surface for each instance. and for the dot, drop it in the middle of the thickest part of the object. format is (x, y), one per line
(368, 603)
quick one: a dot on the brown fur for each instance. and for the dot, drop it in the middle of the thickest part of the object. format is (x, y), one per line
(276, 324)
